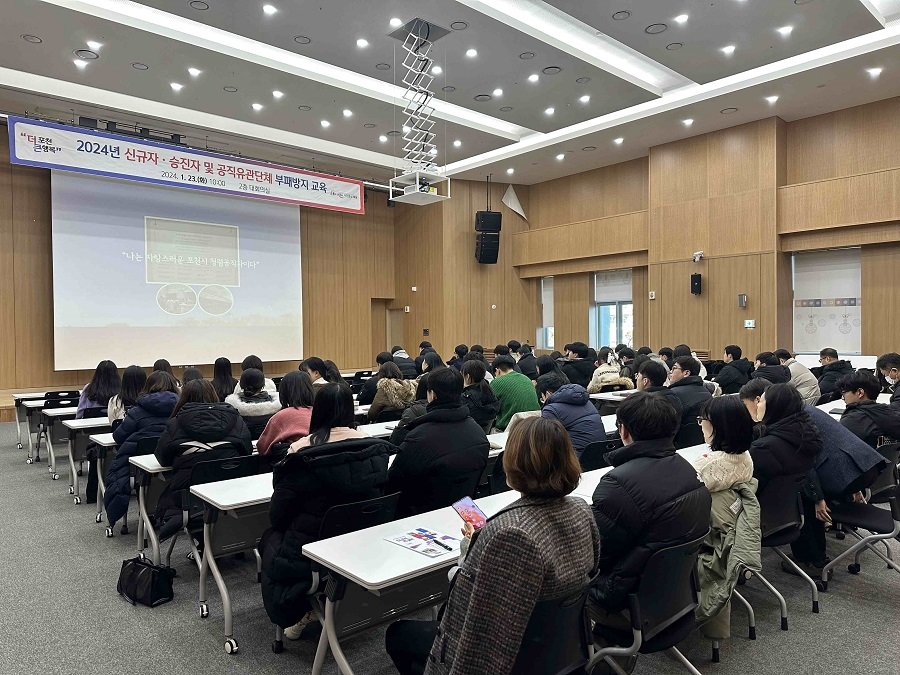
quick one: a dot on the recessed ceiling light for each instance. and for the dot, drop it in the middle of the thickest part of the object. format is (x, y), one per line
(347, 112)
(449, 89)
(393, 133)
(433, 151)
(802, 2)
(656, 28)
(510, 171)
(526, 56)
(194, 72)
(33, 39)
(618, 141)
(277, 94)
(362, 43)
(437, 70)
(551, 70)
(457, 143)
(674, 46)
(382, 66)
(728, 111)
(80, 63)
(688, 122)
(256, 106)
(772, 100)
(589, 148)
(302, 40)
(471, 53)
(86, 54)
(94, 45)
(728, 50)
(382, 139)
(396, 23)
(369, 125)
(230, 89)
(874, 72)
(199, 5)
(270, 9)
(304, 108)
(621, 15)
(681, 18)
(583, 80)
(506, 108)
(534, 77)
(549, 111)
(459, 25)
(785, 30)
(176, 86)
(585, 99)
(325, 124)
(137, 65)
(497, 92)
(561, 156)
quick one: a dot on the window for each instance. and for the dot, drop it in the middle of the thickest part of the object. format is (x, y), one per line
(612, 312)
(545, 338)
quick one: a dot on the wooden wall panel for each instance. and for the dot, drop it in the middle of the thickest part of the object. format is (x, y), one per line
(571, 302)
(880, 278)
(7, 272)
(615, 261)
(677, 316)
(878, 233)
(727, 278)
(639, 288)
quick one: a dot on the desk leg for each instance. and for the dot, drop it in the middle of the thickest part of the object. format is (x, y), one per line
(100, 468)
(144, 524)
(330, 608)
(321, 653)
(48, 432)
(74, 488)
(19, 420)
(209, 563)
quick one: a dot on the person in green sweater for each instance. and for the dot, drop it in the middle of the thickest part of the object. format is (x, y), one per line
(514, 390)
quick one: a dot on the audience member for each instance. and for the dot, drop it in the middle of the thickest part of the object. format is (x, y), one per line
(413, 411)
(527, 363)
(478, 395)
(685, 350)
(513, 346)
(431, 361)
(333, 373)
(477, 348)
(801, 377)
(133, 380)
(253, 361)
(579, 368)
(223, 381)
(459, 353)
(875, 423)
(444, 452)
(571, 405)
(736, 371)
(316, 369)
(394, 393)
(105, 384)
(291, 423)
(646, 351)
(626, 359)
(201, 429)
(652, 377)
(254, 403)
(162, 365)
(500, 350)
(514, 391)
(889, 367)
(191, 374)
(479, 356)
(334, 465)
(556, 356)
(547, 364)
(769, 367)
(540, 547)
(728, 431)
(606, 374)
(424, 348)
(687, 386)
(833, 369)
(404, 362)
(370, 386)
(667, 355)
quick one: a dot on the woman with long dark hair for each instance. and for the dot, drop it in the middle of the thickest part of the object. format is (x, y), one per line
(478, 395)
(291, 423)
(104, 384)
(223, 381)
(728, 430)
(393, 392)
(133, 380)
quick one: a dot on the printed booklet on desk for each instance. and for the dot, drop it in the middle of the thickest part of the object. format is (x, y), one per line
(427, 542)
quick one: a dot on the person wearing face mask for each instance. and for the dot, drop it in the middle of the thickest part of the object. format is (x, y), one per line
(889, 367)
(873, 422)
(571, 405)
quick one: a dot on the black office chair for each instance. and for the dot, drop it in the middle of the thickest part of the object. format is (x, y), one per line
(389, 416)
(557, 638)
(277, 381)
(358, 380)
(828, 398)
(592, 457)
(55, 400)
(661, 611)
(498, 477)
(883, 524)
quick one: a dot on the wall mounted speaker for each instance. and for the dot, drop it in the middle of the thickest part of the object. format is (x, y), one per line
(487, 247)
(696, 284)
(487, 221)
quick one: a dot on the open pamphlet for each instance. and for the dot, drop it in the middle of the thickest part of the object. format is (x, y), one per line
(427, 542)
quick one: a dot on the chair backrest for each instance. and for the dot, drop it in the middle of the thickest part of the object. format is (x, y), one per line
(518, 417)
(277, 381)
(147, 446)
(53, 403)
(886, 483)
(215, 470)
(360, 374)
(68, 393)
(606, 388)
(779, 504)
(94, 413)
(389, 415)
(556, 638)
(592, 456)
(355, 516)
(668, 587)
(498, 477)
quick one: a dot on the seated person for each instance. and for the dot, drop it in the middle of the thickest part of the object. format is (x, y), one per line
(579, 368)
(459, 353)
(543, 546)
(478, 395)
(768, 366)
(201, 429)
(431, 360)
(728, 431)
(889, 367)
(626, 360)
(736, 371)
(404, 362)
(254, 403)
(651, 377)
(223, 381)
(253, 361)
(444, 452)
(873, 422)
(333, 373)
(104, 385)
(370, 386)
(667, 356)
(571, 405)
(334, 465)
(514, 391)
(801, 377)
(393, 394)
(687, 386)
(413, 410)
(500, 350)
(425, 347)
(527, 362)
(651, 499)
(606, 373)
(291, 423)
(317, 370)
(191, 374)
(133, 380)
(833, 369)
(685, 350)
(479, 356)
(547, 364)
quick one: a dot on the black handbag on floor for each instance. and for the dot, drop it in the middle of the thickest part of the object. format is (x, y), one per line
(142, 582)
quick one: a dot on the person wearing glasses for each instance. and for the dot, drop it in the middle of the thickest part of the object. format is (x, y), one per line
(873, 422)
(728, 430)
(833, 369)
(687, 386)
(889, 367)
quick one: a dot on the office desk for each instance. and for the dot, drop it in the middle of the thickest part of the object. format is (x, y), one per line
(246, 501)
(103, 442)
(49, 418)
(148, 469)
(21, 417)
(378, 429)
(78, 430)
(33, 415)
(615, 396)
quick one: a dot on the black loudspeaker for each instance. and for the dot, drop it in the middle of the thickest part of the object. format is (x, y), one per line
(696, 284)
(487, 221)
(487, 246)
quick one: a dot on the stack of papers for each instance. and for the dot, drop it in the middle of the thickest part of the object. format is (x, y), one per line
(427, 542)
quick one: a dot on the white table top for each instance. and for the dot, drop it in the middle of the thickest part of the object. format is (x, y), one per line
(378, 429)
(617, 396)
(34, 403)
(62, 412)
(87, 423)
(362, 409)
(236, 493)
(103, 440)
(24, 396)
(148, 464)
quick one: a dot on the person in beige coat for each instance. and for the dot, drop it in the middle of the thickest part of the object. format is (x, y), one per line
(393, 392)
(801, 377)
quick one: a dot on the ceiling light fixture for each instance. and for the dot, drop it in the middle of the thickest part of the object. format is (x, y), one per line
(362, 43)
(137, 65)
(33, 39)
(256, 106)
(347, 112)
(230, 89)
(549, 111)
(406, 129)
(176, 86)
(382, 139)
(396, 23)
(561, 156)
(497, 92)
(471, 53)
(437, 70)
(86, 54)
(199, 5)
(457, 143)
(534, 77)
(728, 50)
(618, 141)
(80, 63)
(270, 9)
(785, 30)
(874, 72)
(772, 100)
(194, 72)
(510, 171)
(93, 45)
(656, 28)
(585, 99)
(459, 25)
(325, 124)
(688, 122)
(681, 18)
(277, 94)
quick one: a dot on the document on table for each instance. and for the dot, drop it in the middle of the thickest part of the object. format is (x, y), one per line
(427, 542)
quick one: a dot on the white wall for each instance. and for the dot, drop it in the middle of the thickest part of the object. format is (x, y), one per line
(826, 310)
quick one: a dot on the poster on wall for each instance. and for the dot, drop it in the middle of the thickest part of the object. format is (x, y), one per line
(827, 304)
(58, 146)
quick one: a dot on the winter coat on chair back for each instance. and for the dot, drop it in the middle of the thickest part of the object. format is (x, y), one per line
(306, 484)
(146, 419)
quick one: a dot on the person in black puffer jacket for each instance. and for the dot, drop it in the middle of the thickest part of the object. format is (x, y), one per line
(200, 430)
(686, 385)
(864, 416)
(334, 465)
(477, 394)
(768, 367)
(651, 499)
(407, 365)
(736, 371)
(833, 369)
(527, 362)
(146, 419)
(579, 368)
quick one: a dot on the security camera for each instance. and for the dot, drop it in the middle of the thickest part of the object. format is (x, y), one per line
(697, 256)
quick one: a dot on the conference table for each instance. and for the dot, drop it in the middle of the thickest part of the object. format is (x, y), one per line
(614, 396)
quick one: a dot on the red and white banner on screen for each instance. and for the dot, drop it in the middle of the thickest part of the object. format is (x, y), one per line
(57, 146)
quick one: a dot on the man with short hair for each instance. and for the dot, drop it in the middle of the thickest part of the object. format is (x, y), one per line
(687, 386)
(513, 346)
(527, 363)
(424, 348)
(801, 376)
(667, 355)
(626, 361)
(579, 369)
(873, 422)
(459, 353)
(514, 391)
(685, 350)
(889, 367)
(571, 405)
(370, 386)
(652, 377)
(768, 367)
(650, 500)
(736, 371)
(833, 369)
(444, 452)
(406, 365)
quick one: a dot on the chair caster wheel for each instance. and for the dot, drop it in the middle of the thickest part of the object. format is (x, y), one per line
(784, 623)
(839, 535)
(853, 568)
(80, 472)
(752, 632)
(277, 646)
(204, 610)
(142, 556)
(822, 586)
(29, 460)
(815, 606)
(231, 646)
(124, 530)
(71, 490)
(109, 532)
(55, 476)
(98, 518)
(19, 446)
(77, 500)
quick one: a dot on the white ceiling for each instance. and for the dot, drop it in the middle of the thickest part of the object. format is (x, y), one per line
(639, 90)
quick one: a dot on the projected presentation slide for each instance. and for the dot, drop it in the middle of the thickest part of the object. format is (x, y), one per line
(142, 272)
